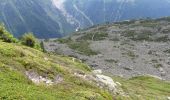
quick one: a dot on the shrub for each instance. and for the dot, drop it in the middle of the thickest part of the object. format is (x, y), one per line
(30, 40)
(5, 35)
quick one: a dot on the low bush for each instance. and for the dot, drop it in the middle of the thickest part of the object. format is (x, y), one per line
(5, 35)
(30, 40)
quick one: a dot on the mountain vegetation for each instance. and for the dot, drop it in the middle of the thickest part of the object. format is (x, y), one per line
(22, 67)
(28, 73)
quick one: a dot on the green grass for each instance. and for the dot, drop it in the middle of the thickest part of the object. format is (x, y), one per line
(144, 88)
(16, 59)
(82, 47)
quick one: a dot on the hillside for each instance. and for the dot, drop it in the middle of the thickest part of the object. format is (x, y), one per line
(27, 73)
(127, 49)
(57, 18)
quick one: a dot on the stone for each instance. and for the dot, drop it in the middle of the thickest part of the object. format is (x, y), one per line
(168, 98)
(45, 58)
(163, 73)
(161, 69)
(37, 79)
(118, 83)
(106, 81)
(98, 71)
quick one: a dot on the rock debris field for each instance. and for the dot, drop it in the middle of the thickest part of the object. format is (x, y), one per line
(126, 49)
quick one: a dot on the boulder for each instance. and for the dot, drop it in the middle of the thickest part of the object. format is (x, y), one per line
(105, 81)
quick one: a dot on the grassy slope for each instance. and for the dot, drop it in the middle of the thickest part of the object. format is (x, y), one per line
(144, 88)
(15, 59)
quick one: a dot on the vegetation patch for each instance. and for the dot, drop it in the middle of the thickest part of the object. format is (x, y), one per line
(158, 65)
(144, 88)
(131, 54)
(112, 61)
(142, 37)
(167, 51)
(164, 38)
(63, 40)
(82, 47)
(96, 36)
(6, 36)
(16, 59)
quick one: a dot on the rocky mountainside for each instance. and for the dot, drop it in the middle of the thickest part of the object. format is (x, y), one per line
(56, 18)
(28, 73)
(127, 49)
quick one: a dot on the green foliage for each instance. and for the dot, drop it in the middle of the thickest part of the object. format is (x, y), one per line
(5, 35)
(144, 88)
(142, 37)
(129, 33)
(42, 46)
(16, 59)
(63, 40)
(82, 47)
(30, 40)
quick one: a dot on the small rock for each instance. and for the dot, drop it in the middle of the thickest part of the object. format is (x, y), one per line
(45, 58)
(168, 98)
(163, 73)
(99, 71)
(94, 65)
(73, 59)
(118, 83)
(58, 79)
(100, 55)
(161, 69)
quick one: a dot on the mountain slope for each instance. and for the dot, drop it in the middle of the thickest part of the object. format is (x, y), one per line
(37, 16)
(57, 18)
(26, 73)
(22, 70)
(128, 48)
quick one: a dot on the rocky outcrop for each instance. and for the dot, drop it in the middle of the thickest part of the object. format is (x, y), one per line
(102, 81)
(38, 79)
